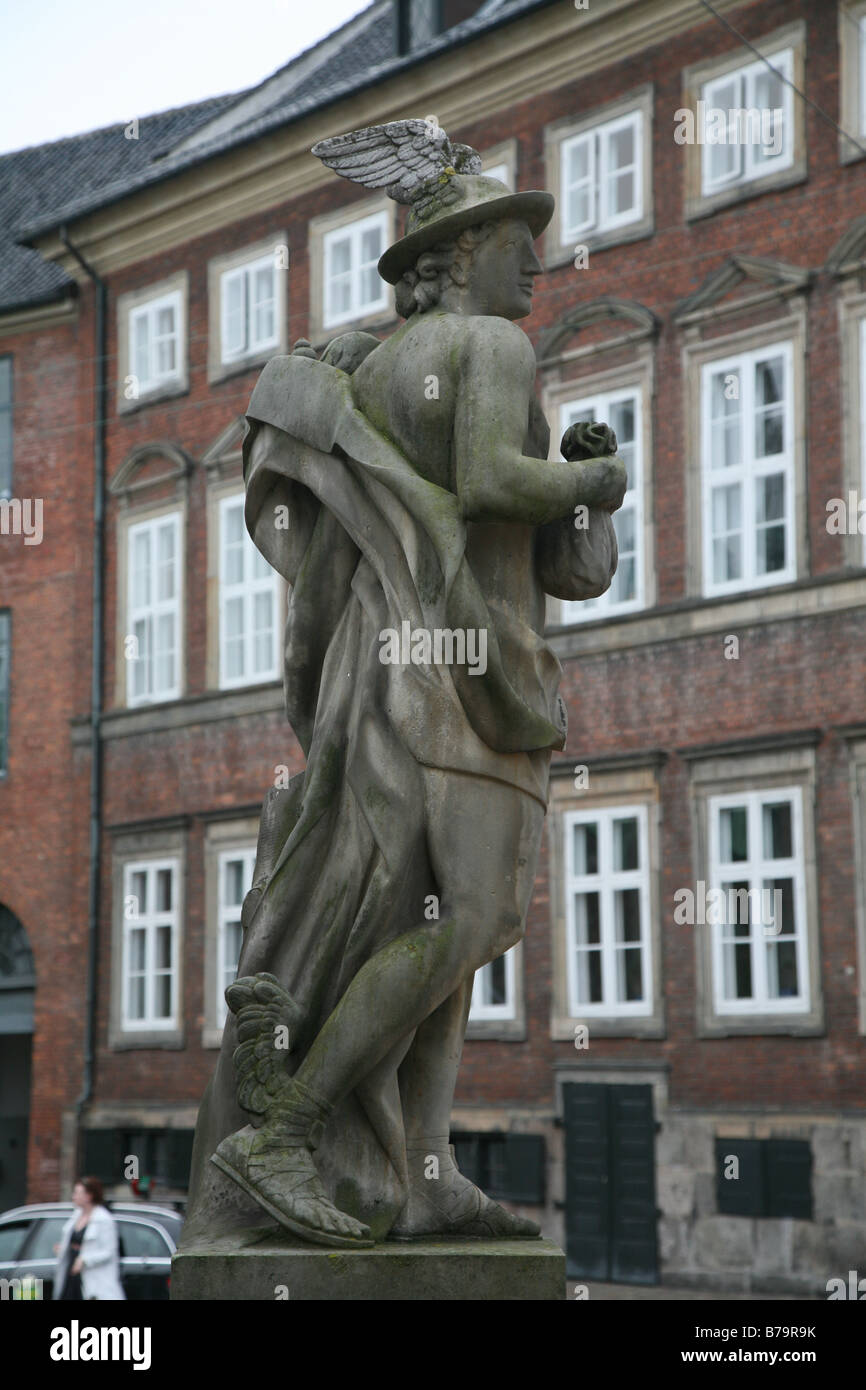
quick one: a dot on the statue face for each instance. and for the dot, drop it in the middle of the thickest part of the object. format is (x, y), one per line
(502, 271)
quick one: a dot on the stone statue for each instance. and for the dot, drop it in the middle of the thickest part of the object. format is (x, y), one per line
(403, 489)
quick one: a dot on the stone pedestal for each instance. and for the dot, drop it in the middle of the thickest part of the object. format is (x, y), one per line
(270, 1266)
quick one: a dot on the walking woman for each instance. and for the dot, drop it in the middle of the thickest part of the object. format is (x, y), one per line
(88, 1259)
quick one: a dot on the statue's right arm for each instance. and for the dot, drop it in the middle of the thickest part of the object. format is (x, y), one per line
(495, 480)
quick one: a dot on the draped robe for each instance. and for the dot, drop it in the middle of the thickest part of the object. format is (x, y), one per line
(342, 865)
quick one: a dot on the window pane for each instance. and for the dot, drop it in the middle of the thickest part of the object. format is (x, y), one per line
(782, 978)
(340, 256)
(627, 908)
(137, 942)
(138, 891)
(234, 326)
(163, 948)
(778, 831)
(769, 97)
(629, 975)
(587, 919)
(733, 835)
(163, 890)
(163, 656)
(261, 568)
(165, 540)
(140, 586)
(586, 848)
(623, 588)
(625, 848)
(136, 997)
(263, 302)
(725, 419)
(341, 295)
(234, 882)
(589, 977)
(782, 914)
(140, 356)
(621, 421)
(162, 996)
(620, 147)
(371, 244)
(232, 950)
(738, 971)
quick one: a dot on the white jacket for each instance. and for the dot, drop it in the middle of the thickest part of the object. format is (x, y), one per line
(100, 1256)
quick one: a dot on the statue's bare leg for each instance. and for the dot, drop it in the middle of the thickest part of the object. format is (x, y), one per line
(483, 839)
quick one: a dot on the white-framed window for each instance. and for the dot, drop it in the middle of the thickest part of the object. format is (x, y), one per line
(755, 135)
(601, 177)
(498, 171)
(156, 341)
(621, 410)
(248, 603)
(759, 922)
(747, 452)
(861, 71)
(153, 610)
(248, 309)
(493, 990)
(235, 879)
(608, 912)
(150, 944)
(352, 284)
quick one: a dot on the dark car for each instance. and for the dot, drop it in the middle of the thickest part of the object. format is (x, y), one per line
(148, 1237)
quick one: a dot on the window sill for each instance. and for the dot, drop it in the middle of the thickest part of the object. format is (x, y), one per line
(705, 205)
(240, 366)
(816, 595)
(171, 1040)
(496, 1030)
(561, 255)
(205, 708)
(148, 398)
(763, 1025)
(651, 1026)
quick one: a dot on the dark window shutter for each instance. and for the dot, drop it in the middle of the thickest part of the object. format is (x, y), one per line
(743, 1195)
(525, 1166)
(180, 1142)
(789, 1178)
(467, 1156)
(101, 1158)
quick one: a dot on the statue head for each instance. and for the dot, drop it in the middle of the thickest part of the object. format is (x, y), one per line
(467, 243)
(487, 268)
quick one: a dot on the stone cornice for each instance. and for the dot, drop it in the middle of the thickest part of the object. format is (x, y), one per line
(773, 279)
(849, 254)
(39, 316)
(646, 325)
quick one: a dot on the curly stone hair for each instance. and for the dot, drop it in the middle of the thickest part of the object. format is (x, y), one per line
(420, 288)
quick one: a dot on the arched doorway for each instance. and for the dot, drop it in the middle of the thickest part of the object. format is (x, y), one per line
(17, 990)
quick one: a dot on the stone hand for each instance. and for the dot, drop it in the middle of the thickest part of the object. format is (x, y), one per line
(602, 479)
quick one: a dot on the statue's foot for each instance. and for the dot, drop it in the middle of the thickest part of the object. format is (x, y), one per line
(451, 1205)
(279, 1174)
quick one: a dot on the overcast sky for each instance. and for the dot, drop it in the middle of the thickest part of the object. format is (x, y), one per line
(67, 66)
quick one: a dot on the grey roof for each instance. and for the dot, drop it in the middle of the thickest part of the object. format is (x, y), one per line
(359, 54)
(76, 168)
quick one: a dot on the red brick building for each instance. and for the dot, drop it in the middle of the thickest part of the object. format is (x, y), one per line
(673, 1091)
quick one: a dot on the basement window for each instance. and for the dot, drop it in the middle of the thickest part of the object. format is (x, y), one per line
(764, 1177)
